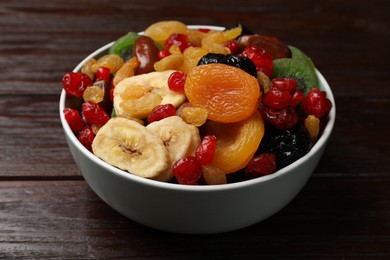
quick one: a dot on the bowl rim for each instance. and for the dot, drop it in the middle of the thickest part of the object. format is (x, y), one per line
(198, 188)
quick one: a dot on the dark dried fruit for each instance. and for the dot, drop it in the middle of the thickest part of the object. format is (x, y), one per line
(288, 146)
(243, 63)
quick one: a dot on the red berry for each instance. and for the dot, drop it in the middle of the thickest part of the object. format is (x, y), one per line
(232, 45)
(261, 165)
(86, 136)
(287, 84)
(94, 113)
(176, 81)
(187, 170)
(204, 30)
(261, 58)
(315, 103)
(283, 119)
(162, 54)
(297, 97)
(179, 40)
(277, 98)
(74, 83)
(74, 119)
(160, 112)
(103, 73)
(205, 151)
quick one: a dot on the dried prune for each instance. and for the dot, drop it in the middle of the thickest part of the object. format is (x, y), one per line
(243, 63)
(287, 145)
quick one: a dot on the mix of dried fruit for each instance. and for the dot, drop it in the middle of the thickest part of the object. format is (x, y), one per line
(197, 106)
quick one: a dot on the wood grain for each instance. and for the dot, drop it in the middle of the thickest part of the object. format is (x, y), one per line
(47, 211)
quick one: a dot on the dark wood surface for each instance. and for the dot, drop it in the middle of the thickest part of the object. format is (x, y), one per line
(48, 211)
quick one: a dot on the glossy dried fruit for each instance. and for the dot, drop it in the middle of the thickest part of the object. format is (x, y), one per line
(73, 117)
(86, 136)
(176, 81)
(205, 151)
(229, 94)
(213, 175)
(312, 125)
(94, 113)
(187, 170)
(261, 165)
(109, 61)
(146, 52)
(74, 83)
(236, 143)
(196, 116)
(160, 112)
(260, 57)
(315, 103)
(94, 94)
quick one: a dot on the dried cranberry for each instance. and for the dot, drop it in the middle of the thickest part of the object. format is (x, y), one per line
(287, 84)
(176, 81)
(261, 165)
(315, 103)
(261, 58)
(205, 151)
(74, 83)
(86, 136)
(161, 112)
(232, 45)
(162, 54)
(74, 119)
(94, 113)
(103, 73)
(177, 39)
(277, 98)
(187, 170)
(297, 97)
(283, 119)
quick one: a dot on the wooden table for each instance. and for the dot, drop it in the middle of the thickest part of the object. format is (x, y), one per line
(48, 211)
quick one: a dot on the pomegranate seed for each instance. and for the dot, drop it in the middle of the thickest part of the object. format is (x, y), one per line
(86, 136)
(205, 151)
(94, 113)
(161, 112)
(176, 81)
(287, 84)
(187, 170)
(177, 39)
(162, 54)
(297, 97)
(277, 98)
(315, 103)
(283, 119)
(261, 58)
(74, 83)
(261, 165)
(103, 73)
(74, 119)
(232, 45)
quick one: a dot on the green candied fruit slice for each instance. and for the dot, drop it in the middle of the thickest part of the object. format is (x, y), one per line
(123, 46)
(299, 67)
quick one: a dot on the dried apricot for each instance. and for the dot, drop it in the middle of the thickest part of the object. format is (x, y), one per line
(236, 142)
(228, 93)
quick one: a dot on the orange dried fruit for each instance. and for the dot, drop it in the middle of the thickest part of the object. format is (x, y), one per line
(236, 142)
(228, 93)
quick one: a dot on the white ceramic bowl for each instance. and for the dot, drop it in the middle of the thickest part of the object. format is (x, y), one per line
(194, 209)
